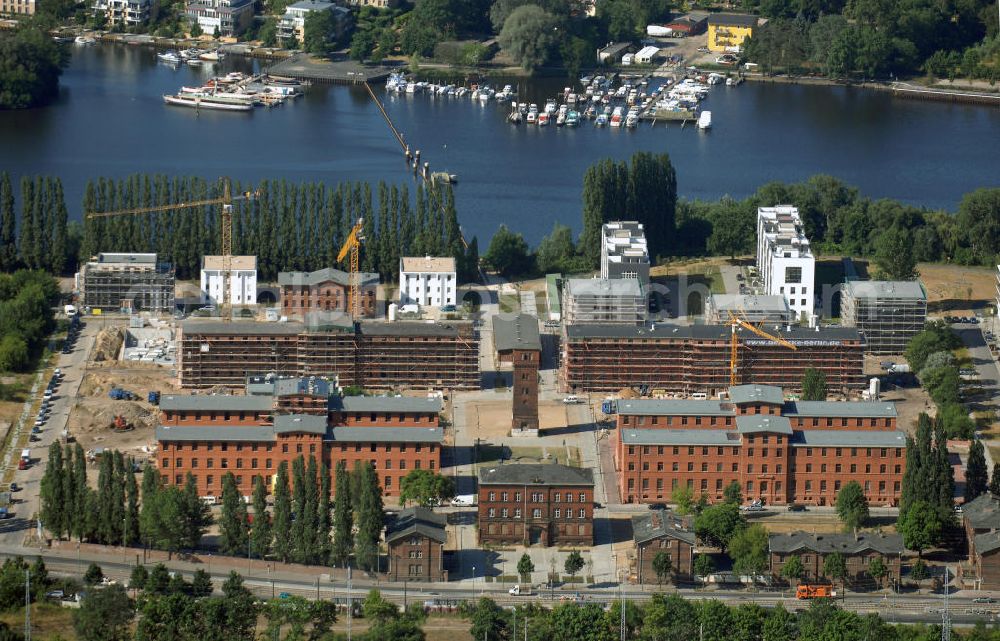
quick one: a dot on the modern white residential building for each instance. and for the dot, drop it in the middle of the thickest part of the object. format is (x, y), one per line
(785, 260)
(624, 253)
(293, 23)
(428, 281)
(128, 13)
(228, 17)
(242, 280)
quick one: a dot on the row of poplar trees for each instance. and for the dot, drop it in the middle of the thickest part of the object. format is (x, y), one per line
(287, 226)
(37, 235)
(173, 518)
(320, 533)
(926, 507)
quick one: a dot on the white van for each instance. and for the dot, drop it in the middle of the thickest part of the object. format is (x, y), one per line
(699, 396)
(571, 400)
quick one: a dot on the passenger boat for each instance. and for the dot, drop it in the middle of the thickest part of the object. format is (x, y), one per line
(206, 102)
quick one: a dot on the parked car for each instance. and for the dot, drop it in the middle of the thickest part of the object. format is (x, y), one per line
(984, 599)
(657, 506)
(796, 507)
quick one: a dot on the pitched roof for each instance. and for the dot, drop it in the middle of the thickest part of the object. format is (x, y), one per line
(661, 523)
(830, 542)
(417, 520)
(680, 437)
(391, 404)
(983, 513)
(740, 394)
(327, 274)
(987, 542)
(753, 423)
(309, 423)
(535, 473)
(848, 438)
(732, 20)
(215, 402)
(388, 434)
(421, 264)
(516, 332)
(839, 409)
(672, 407)
(245, 433)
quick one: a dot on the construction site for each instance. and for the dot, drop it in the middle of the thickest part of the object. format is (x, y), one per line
(888, 313)
(689, 359)
(126, 283)
(373, 355)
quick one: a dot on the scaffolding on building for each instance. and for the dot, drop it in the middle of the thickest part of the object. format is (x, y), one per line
(888, 313)
(127, 283)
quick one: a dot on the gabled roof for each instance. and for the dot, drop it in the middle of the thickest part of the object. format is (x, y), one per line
(404, 404)
(417, 520)
(426, 264)
(535, 473)
(388, 434)
(327, 274)
(661, 523)
(242, 263)
(754, 423)
(217, 402)
(308, 423)
(983, 513)
(987, 542)
(830, 542)
(742, 394)
(680, 437)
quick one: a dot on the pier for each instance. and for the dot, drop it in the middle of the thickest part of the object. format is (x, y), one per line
(325, 71)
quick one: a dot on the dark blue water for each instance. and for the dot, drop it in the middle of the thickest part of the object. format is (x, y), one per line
(111, 121)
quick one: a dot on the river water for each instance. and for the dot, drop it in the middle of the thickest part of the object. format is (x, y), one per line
(110, 120)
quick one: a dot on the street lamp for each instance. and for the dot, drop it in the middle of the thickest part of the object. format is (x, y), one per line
(473, 581)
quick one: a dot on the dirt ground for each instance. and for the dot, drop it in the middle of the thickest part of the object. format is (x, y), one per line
(93, 411)
(951, 288)
(491, 419)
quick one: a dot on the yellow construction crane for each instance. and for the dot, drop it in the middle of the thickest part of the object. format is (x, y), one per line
(226, 200)
(352, 246)
(735, 322)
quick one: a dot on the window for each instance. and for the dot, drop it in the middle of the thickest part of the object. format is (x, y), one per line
(569, 514)
(178, 463)
(793, 275)
(583, 497)
(690, 466)
(211, 479)
(503, 513)
(492, 513)
(503, 497)
(194, 462)
(558, 513)
(493, 496)
(536, 513)
(517, 513)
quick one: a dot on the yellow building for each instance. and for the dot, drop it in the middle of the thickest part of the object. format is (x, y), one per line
(727, 31)
(17, 7)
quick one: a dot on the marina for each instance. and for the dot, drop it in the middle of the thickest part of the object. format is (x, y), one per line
(236, 91)
(768, 131)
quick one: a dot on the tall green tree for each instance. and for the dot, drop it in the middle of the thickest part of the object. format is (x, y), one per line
(53, 502)
(132, 529)
(995, 480)
(197, 516)
(260, 533)
(663, 566)
(282, 515)
(852, 505)
(299, 530)
(233, 525)
(343, 518)
(748, 549)
(814, 385)
(370, 516)
(323, 517)
(8, 225)
(793, 569)
(976, 475)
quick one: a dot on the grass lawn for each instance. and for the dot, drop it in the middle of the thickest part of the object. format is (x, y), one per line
(48, 622)
(509, 303)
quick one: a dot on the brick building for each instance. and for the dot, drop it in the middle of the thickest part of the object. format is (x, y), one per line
(415, 541)
(695, 358)
(536, 504)
(516, 340)
(252, 435)
(663, 531)
(981, 521)
(375, 355)
(858, 552)
(780, 452)
(324, 290)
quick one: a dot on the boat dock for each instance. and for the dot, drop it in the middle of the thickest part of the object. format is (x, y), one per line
(333, 72)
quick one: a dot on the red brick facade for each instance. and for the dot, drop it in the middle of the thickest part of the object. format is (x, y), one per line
(327, 296)
(536, 505)
(525, 386)
(778, 452)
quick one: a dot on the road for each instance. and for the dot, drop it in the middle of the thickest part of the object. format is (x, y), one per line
(989, 375)
(14, 530)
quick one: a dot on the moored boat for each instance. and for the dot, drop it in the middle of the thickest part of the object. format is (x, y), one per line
(170, 57)
(705, 120)
(206, 102)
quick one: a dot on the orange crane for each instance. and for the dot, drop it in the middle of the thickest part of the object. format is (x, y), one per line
(352, 246)
(736, 322)
(226, 200)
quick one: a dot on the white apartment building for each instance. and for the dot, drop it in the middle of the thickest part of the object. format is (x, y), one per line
(242, 280)
(785, 260)
(624, 253)
(428, 281)
(128, 13)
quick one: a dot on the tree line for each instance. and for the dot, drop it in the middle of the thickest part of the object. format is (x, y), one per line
(39, 236)
(286, 226)
(30, 65)
(26, 317)
(871, 38)
(674, 618)
(926, 508)
(929, 354)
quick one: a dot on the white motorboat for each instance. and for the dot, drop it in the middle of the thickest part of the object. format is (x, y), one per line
(170, 57)
(206, 102)
(84, 40)
(705, 120)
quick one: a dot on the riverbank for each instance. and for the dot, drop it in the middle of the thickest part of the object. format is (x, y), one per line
(897, 89)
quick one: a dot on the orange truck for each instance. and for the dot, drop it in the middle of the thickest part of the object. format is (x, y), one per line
(810, 591)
